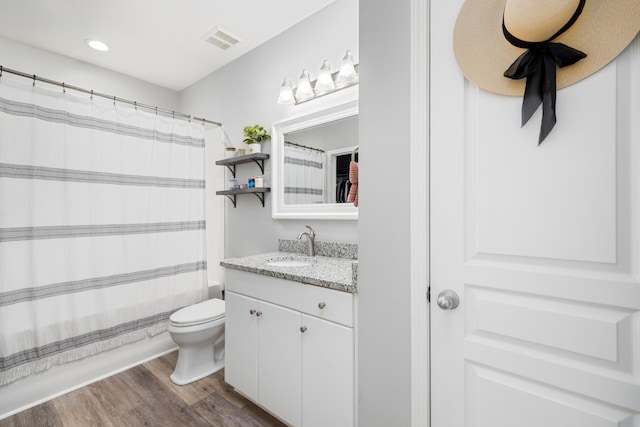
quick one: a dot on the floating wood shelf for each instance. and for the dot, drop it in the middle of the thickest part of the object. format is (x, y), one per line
(231, 194)
(257, 158)
(230, 163)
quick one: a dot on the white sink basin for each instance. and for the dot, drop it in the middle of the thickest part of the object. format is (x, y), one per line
(289, 263)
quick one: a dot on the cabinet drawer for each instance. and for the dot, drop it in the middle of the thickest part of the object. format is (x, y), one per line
(271, 289)
(328, 304)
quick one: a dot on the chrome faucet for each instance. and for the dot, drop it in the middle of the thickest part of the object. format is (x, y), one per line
(311, 237)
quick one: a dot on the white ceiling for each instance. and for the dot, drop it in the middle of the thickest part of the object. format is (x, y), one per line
(159, 41)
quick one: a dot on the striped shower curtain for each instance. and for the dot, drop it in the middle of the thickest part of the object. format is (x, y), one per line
(102, 225)
(303, 175)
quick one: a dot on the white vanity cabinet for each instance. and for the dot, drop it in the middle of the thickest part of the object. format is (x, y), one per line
(262, 354)
(327, 374)
(241, 344)
(290, 348)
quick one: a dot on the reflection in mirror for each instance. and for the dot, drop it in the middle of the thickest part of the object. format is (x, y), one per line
(316, 162)
(311, 156)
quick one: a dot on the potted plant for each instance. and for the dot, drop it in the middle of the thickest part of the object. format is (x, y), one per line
(254, 135)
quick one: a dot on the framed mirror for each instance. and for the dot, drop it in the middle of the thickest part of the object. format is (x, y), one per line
(310, 160)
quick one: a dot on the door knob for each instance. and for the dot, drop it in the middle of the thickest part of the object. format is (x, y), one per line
(448, 300)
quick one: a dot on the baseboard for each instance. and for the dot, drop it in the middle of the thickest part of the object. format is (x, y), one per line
(39, 388)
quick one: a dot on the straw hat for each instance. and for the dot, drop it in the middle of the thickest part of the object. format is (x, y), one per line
(602, 30)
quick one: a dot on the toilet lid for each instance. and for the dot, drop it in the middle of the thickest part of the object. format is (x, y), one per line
(201, 312)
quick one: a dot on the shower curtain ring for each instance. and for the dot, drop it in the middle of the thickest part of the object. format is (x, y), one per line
(34, 80)
(135, 105)
(63, 88)
(1, 69)
(92, 94)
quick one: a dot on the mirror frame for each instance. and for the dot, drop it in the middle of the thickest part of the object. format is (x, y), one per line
(340, 211)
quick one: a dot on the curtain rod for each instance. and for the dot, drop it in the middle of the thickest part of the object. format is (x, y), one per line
(114, 98)
(304, 146)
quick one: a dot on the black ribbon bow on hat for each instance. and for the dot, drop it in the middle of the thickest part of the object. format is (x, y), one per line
(538, 65)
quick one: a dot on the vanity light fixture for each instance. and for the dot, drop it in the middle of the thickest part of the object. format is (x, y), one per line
(326, 83)
(347, 74)
(97, 45)
(325, 79)
(304, 90)
(286, 93)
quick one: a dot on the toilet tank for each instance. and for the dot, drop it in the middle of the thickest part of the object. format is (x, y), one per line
(215, 289)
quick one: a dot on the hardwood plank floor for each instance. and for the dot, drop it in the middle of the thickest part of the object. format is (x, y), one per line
(145, 396)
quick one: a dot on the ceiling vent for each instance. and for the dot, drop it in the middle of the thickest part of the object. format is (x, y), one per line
(221, 38)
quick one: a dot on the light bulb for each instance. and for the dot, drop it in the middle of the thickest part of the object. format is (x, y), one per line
(325, 80)
(304, 90)
(286, 93)
(347, 74)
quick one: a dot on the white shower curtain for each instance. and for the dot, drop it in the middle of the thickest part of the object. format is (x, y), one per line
(102, 225)
(303, 175)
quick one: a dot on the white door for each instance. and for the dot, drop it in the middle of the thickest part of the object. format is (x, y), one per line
(542, 246)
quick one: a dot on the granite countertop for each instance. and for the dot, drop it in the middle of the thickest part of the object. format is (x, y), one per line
(329, 272)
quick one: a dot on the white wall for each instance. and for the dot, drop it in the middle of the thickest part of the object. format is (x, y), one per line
(31, 60)
(246, 91)
(384, 297)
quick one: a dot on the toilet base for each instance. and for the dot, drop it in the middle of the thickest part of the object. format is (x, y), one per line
(181, 380)
(197, 362)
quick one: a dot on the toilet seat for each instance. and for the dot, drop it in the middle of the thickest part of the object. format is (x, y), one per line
(202, 312)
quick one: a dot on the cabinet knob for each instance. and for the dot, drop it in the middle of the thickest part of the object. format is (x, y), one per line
(322, 305)
(303, 329)
(258, 313)
(252, 311)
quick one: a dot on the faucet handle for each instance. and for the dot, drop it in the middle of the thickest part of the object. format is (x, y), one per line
(311, 232)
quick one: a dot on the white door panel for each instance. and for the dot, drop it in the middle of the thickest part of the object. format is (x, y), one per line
(523, 196)
(280, 362)
(327, 374)
(532, 318)
(503, 399)
(241, 344)
(541, 243)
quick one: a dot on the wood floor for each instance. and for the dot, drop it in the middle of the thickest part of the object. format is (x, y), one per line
(145, 396)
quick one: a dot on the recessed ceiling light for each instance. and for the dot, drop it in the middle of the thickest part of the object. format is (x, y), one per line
(97, 45)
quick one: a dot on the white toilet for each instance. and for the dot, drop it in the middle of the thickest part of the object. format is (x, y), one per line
(199, 332)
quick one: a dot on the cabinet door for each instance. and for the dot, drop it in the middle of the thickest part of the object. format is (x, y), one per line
(327, 374)
(241, 344)
(279, 362)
